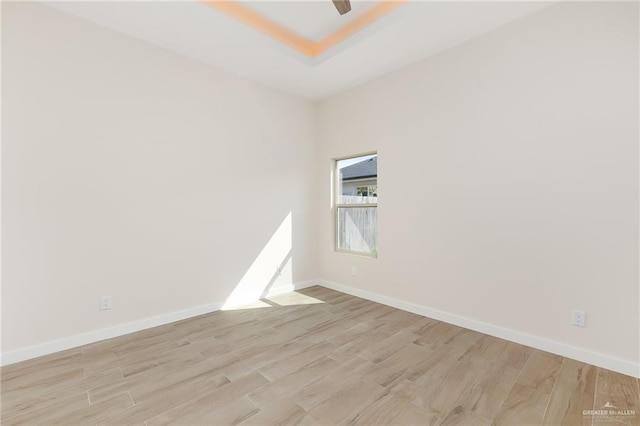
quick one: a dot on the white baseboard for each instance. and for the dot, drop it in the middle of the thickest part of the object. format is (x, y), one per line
(131, 327)
(594, 358)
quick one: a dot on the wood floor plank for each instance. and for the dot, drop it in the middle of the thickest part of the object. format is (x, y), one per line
(441, 390)
(246, 364)
(311, 319)
(209, 401)
(106, 386)
(350, 304)
(283, 412)
(91, 414)
(287, 385)
(486, 349)
(360, 344)
(540, 371)
(320, 390)
(432, 336)
(573, 392)
(422, 325)
(26, 405)
(399, 319)
(328, 329)
(524, 406)
(232, 413)
(155, 382)
(392, 369)
(43, 378)
(296, 361)
(349, 335)
(350, 397)
(74, 410)
(485, 396)
(181, 355)
(388, 347)
(160, 402)
(391, 409)
(461, 417)
(367, 312)
(313, 357)
(617, 394)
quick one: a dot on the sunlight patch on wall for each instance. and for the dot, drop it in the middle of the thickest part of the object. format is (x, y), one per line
(272, 270)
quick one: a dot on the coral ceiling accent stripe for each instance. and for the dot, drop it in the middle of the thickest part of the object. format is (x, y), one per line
(376, 12)
(260, 23)
(303, 45)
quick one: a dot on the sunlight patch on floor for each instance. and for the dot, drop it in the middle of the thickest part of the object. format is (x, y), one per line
(293, 299)
(286, 299)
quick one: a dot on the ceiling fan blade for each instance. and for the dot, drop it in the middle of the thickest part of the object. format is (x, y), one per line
(343, 6)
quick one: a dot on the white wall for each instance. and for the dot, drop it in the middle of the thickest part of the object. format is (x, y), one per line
(526, 140)
(133, 172)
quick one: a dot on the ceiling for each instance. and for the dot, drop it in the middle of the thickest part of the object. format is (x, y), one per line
(303, 47)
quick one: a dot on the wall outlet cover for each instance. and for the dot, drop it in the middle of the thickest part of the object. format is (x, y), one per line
(105, 303)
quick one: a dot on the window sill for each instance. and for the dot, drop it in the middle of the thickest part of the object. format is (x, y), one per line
(356, 253)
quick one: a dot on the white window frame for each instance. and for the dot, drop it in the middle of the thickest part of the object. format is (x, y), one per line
(337, 205)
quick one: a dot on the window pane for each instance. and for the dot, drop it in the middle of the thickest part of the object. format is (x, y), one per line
(358, 180)
(357, 229)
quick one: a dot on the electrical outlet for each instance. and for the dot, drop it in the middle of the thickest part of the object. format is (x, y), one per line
(354, 271)
(105, 303)
(578, 318)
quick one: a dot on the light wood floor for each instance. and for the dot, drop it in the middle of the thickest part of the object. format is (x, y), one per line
(316, 357)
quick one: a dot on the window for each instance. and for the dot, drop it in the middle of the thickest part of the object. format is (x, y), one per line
(356, 204)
